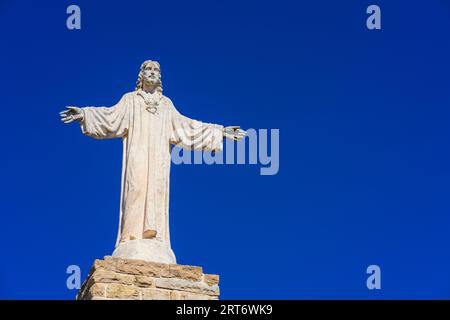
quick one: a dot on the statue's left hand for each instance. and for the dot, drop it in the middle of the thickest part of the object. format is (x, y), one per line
(72, 114)
(234, 133)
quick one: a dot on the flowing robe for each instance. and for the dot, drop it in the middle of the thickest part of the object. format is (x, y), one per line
(147, 139)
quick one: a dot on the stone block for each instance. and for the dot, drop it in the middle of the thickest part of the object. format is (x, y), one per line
(126, 279)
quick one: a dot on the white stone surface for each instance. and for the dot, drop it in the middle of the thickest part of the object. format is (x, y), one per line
(148, 124)
(145, 249)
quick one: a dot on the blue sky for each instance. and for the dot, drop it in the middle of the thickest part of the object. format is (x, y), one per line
(364, 135)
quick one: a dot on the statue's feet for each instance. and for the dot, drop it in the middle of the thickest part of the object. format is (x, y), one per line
(123, 240)
(149, 234)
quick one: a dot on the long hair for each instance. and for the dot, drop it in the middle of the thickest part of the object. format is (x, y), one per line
(140, 81)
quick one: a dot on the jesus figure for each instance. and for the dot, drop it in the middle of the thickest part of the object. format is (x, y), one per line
(148, 124)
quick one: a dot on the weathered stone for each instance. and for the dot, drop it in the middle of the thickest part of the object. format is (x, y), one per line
(180, 295)
(186, 272)
(155, 294)
(186, 285)
(121, 291)
(115, 279)
(138, 267)
(102, 264)
(144, 281)
(96, 290)
(211, 279)
(108, 276)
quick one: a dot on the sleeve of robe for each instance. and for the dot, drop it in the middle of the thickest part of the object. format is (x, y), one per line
(194, 135)
(106, 122)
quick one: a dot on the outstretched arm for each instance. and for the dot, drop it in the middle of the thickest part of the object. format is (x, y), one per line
(196, 135)
(100, 122)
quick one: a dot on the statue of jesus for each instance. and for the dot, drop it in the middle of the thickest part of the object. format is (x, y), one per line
(148, 124)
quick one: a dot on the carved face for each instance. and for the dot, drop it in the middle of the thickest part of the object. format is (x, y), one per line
(151, 74)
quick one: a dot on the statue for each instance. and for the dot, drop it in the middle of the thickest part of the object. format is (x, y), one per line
(148, 124)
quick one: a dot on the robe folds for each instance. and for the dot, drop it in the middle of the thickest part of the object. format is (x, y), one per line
(147, 139)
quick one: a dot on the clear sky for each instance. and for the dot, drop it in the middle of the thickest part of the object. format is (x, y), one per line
(364, 142)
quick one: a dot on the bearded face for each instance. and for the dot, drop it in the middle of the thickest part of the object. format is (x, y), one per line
(151, 74)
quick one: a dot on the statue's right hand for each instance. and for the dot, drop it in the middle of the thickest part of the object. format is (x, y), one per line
(72, 114)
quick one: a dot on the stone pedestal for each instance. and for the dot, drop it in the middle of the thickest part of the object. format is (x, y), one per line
(126, 279)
